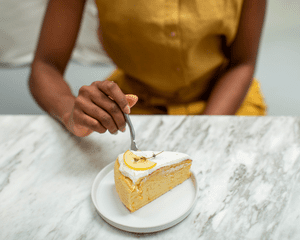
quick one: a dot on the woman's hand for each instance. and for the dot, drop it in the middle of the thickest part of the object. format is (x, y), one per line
(99, 107)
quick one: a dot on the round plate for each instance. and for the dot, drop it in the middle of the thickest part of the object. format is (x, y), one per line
(162, 213)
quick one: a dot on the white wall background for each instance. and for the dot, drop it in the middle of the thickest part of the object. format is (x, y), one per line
(278, 67)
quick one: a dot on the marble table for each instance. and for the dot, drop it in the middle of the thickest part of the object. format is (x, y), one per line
(247, 170)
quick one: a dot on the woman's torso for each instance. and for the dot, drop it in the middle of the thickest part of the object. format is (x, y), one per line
(172, 47)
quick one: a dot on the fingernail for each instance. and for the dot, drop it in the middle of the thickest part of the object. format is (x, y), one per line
(127, 109)
(123, 130)
(115, 133)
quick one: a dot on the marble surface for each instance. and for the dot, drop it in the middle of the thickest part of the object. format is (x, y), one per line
(247, 170)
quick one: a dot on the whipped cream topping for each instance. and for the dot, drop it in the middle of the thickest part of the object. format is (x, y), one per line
(163, 159)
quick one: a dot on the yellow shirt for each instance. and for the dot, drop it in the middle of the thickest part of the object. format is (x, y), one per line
(167, 51)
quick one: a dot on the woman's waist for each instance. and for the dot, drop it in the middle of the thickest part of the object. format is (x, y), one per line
(198, 89)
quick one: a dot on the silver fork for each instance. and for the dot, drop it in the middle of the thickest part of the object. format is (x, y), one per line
(133, 146)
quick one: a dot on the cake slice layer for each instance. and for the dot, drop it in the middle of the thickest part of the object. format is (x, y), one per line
(150, 187)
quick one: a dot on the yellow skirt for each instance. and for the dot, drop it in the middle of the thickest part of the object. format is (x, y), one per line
(253, 104)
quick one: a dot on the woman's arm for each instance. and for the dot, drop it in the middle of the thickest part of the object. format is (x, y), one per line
(92, 110)
(57, 39)
(231, 89)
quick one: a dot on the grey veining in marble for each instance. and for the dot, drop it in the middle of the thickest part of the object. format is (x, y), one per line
(247, 170)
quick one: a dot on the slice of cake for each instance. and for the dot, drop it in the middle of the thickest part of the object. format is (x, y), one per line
(142, 176)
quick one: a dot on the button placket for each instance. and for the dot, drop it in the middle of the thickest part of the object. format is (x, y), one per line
(173, 36)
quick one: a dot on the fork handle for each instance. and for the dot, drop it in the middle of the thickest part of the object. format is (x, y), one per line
(132, 133)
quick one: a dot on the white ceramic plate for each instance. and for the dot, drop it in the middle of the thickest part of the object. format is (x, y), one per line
(162, 213)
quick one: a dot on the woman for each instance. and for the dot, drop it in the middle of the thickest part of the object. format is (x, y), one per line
(178, 57)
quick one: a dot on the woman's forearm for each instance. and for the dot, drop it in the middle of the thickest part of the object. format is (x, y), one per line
(230, 91)
(232, 87)
(50, 91)
(56, 42)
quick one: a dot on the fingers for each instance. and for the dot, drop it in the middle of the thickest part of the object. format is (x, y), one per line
(131, 99)
(112, 89)
(112, 114)
(101, 105)
(95, 117)
(82, 119)
(96, 110)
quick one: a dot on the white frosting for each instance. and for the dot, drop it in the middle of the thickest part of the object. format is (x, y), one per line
(163, 159)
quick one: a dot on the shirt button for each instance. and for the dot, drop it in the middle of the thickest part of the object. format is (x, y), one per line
(173, 34)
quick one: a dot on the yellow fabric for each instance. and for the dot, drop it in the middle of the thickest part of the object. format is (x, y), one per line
(167, 51)
(253, 104)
